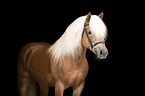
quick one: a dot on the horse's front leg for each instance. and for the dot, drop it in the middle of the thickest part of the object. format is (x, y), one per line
(77, 90)
(59, 88)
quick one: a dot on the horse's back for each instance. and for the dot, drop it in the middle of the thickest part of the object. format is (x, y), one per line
(29, 49)
(35, 60)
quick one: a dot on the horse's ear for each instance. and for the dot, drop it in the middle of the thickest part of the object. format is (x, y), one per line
(101, 15)
(88, 17)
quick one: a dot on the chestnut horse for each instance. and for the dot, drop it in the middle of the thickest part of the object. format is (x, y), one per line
(63, 64)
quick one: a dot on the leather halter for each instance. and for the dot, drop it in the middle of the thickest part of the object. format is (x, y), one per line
(89, 40)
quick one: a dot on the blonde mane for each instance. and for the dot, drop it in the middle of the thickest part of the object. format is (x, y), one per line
(69, 44)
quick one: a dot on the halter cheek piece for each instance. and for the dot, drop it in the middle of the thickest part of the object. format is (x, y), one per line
(89, 40)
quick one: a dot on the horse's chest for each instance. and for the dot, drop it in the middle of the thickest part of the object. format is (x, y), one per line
(72, 73)
(74, 78)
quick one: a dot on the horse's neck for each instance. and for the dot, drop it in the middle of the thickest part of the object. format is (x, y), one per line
(77, 60)
(83, 54)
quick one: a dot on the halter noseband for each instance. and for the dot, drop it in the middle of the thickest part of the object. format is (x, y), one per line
(89, 40)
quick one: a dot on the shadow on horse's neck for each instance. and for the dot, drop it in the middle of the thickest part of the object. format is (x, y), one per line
(83, 54)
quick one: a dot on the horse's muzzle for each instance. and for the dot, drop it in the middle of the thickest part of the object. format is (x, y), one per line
(101, 52)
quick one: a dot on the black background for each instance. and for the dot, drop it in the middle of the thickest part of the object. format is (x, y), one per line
(38, 23)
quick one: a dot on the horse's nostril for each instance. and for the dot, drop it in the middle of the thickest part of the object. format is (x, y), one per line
(101, 52)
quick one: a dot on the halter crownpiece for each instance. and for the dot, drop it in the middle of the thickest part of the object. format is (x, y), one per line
(89, 40)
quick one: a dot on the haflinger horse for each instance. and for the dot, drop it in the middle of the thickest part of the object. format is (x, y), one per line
(63, 64)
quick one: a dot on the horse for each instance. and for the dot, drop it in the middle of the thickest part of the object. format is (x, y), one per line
(63, 64)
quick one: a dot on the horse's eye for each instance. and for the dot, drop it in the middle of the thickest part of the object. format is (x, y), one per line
(89, 32)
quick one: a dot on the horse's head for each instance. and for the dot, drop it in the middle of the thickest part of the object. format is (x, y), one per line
(94, 36)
